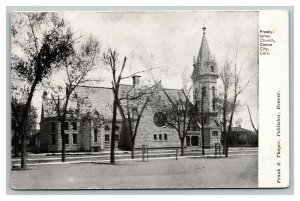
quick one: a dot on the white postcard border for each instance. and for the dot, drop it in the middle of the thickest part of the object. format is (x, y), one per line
(273, 159)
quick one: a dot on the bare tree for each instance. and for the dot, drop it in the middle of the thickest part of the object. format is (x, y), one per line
(226, 78)
(231, 78)
(76, 66)
(131, 108)
(177, 112)
(39, 43)
(111, 59)
(250, 116)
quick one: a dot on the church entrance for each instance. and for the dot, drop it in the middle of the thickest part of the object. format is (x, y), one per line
(195, 141)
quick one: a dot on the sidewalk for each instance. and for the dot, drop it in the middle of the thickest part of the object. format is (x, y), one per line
(121, 155)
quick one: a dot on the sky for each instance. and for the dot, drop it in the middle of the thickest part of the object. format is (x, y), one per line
(174, 38)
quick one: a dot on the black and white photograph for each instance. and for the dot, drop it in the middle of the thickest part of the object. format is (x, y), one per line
(135, 99)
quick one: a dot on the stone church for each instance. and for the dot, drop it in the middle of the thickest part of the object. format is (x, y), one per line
(85, 135)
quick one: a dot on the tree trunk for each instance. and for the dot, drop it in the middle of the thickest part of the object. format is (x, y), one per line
(225, 134)
(227, 144)
(182, 146)
(62, 122)
(63, 141)
(23, 126)
(226, 147)
(16, 144)
(132, 153)
(132, 149)
(230, 127)
(23, 151)
(113, 131)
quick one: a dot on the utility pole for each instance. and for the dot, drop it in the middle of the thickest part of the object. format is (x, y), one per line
(202, 119)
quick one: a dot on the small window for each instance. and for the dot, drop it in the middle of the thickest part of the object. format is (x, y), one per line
(53, 139)
(52, 126)
(67, 138)
(160, 136)
(165, 137)
(215, 133)
(155, 137)
(74, 138)
(74, 125)
(204, 91)
(66, 125)
(212, 69)
(106, 127)
(106, 138)
(117, 138)
(117, 128)
(95, 135)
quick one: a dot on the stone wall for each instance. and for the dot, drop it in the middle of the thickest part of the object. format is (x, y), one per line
(48, 133)
(147, 129)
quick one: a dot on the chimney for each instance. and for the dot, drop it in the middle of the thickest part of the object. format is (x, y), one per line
(136, 80)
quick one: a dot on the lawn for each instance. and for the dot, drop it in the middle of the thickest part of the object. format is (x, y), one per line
(232, 172)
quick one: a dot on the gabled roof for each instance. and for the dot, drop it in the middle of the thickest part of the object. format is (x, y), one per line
(212, 124)
(100, 99)
(174, 94)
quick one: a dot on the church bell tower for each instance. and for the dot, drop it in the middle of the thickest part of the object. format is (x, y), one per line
(205, 75)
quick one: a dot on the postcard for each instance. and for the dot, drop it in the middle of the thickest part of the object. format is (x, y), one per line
(149, 99)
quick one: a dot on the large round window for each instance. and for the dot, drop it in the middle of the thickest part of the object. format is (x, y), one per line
(159, 119)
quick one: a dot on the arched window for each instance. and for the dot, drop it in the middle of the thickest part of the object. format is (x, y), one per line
(212, 69)
(95, 135)
(106, 138)
(106, 127)
(74, 125)
(204, 91)
(165, 136)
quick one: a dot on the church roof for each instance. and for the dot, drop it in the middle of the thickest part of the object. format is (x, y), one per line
(211, 124)
(204, 60)
(204, 52)
(100, 99)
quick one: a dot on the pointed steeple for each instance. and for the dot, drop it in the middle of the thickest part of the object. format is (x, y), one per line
(204, 52)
